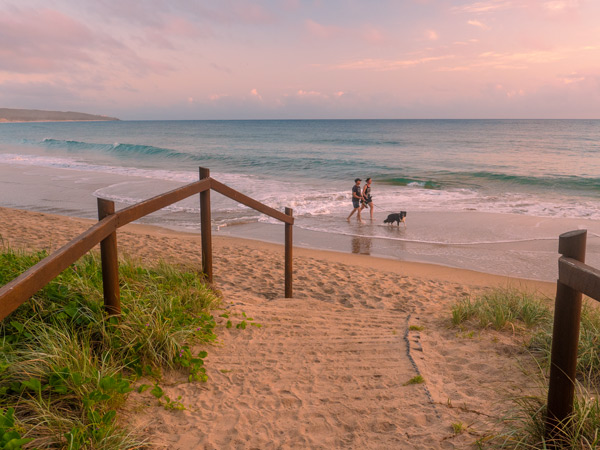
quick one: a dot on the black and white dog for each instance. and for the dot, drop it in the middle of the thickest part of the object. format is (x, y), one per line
(398, 217)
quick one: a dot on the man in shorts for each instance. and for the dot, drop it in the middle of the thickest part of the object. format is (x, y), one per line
(357, 198)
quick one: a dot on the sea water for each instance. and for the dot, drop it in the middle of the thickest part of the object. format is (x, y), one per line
(488, 195)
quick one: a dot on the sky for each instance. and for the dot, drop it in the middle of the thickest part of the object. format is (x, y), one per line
(302, 59)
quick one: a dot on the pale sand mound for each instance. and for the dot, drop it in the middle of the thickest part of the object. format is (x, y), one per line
(327, 369)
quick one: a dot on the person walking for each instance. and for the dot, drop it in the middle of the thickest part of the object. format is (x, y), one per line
(356, 200)
(367, 199)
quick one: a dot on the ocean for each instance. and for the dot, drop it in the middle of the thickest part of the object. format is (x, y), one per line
(488, 195)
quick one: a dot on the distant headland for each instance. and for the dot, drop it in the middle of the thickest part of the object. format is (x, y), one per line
(36, 115)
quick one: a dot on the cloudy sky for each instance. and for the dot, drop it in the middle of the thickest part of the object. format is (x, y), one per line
(238, 59)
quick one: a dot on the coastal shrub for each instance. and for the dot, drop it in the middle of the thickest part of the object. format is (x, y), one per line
(501, 308)
(65, 367)
(588, 353)
(525, 429)
(526, 426)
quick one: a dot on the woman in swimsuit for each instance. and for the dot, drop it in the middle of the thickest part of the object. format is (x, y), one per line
(367, 199)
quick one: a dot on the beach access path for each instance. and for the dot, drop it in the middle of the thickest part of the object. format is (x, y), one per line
(330, 367)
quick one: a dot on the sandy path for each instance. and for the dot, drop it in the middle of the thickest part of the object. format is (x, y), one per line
(315, 375)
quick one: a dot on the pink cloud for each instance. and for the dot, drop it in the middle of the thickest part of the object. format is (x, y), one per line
(322, 31)
(314, 94)
(556, 8)
(432, 35)
(39, 41)
(489, 6)
(361, 34)
(254, 93)
(561, 6)
(51, 42)
(572, 78)
(373, 35)
(174, 28)
(389, 64)
(478, 24)
(217, 97)
(253, 13)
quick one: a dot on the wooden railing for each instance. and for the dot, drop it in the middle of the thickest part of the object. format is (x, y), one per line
(574, 279)
(19, 290)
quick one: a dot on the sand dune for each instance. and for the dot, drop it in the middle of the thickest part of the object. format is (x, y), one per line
(328, 368)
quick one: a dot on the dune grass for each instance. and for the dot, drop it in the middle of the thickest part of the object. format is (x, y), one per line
(525, 426)
(588, 353)
(65, 367)
(503, 309)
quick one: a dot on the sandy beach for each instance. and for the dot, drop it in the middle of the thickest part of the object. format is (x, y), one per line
(326, 369)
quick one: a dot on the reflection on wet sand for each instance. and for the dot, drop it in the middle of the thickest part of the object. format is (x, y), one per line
(361, 245)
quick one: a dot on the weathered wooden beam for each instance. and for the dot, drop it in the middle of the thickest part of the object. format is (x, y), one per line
(579, 276)
(109, 257)
(289, 248)
(205, 227)
(250, 202)
(565, 340)
(17, 291)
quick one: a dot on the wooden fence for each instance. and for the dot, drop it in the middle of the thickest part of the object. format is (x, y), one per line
(574, 279)
(19, 290)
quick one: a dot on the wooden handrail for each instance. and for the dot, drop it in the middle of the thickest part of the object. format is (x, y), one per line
(109, 256)
(250, 202)
(574, 278)
(153, 204)
(579, 276)
(206, 227)
(19, 290)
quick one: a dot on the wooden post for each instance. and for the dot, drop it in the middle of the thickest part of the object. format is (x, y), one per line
(289, 245)
(205, 228)
(565, 340)
(110, 262)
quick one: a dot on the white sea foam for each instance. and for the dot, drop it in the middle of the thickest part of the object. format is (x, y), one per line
(306, 201)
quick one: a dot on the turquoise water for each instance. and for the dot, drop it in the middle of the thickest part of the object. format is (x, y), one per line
(545, 169)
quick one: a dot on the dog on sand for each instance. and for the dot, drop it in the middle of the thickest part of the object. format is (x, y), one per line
(396, 217)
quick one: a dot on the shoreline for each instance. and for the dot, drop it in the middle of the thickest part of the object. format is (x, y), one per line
(512, 245)
(15, 224)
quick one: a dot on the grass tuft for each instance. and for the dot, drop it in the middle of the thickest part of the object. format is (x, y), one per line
(525, 428)
(66, 367)
(418, 379)
(500, 309)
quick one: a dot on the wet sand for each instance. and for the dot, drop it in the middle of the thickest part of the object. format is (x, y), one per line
(504, 244)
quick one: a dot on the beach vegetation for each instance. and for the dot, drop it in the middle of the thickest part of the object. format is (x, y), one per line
(458, 428)
(418, 379)
(525, 426)
(66, 367)
(416, 328)
(588, 353)
(501, 308)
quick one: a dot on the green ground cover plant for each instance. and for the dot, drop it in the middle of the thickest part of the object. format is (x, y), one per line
(418, 379)
(66, 367)
(503, 309)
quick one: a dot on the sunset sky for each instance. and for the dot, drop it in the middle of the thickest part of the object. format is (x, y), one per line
(287, 59)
